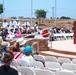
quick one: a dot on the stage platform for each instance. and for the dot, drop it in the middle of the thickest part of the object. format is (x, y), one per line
(62, 48)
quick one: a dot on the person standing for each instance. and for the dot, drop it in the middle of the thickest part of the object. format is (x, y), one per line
(36, 27)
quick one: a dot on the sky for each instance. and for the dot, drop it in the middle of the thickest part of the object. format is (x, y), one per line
(18, 8)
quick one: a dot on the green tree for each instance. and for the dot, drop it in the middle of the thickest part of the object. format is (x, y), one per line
(64, 17)
(1, 9)
(40, 14)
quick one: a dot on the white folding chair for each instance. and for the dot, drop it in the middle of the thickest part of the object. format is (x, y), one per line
(39, 58)
(25, 70)
(52, 65)
(64, 60)
(64, 73)
(51, 58)
(23, 63)
(37, 64)
(43, 72)
(19, 73)
(69, 67)
(74, 61)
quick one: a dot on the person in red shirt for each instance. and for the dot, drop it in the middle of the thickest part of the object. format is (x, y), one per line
(45, 33)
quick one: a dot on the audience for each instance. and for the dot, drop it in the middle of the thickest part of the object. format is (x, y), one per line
(6, 69)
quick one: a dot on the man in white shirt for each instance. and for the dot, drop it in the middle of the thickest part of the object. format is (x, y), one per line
(17, 22)
(5, 24)
(27, 24)
(13, 23)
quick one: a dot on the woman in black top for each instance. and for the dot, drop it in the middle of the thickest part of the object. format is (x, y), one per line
(6, 69)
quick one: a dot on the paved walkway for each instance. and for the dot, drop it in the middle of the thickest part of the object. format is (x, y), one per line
(65, 45)
(65, 48)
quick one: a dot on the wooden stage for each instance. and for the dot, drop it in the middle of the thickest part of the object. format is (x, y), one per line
(62, 48)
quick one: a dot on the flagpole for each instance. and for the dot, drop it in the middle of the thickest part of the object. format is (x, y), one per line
(55, 11)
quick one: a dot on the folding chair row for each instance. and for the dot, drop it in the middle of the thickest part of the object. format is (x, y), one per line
(52, 59)
(30, 71)
(23, 62)
(55, 66)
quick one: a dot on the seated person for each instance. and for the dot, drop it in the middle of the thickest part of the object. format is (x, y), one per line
(28, 54)
(2, 50)
(15, 49)
(18, 34)
(6, 69)
(3, 34)
(5, 24)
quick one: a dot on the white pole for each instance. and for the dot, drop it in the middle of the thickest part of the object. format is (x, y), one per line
(31, 11)
(55, 12)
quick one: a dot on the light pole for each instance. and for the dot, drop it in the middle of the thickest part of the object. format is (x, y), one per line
(3, 10)
(55, 11)
(31, 10)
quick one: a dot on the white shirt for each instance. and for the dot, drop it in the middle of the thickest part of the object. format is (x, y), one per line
(17, 23)
(13, 23)
(28, 58)
(27, 23)
(5, 24)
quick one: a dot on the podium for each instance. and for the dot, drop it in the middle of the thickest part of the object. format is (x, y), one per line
(74, 32)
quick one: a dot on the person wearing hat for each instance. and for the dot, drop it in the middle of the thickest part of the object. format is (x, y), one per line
(28, 54)
(21, 41)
